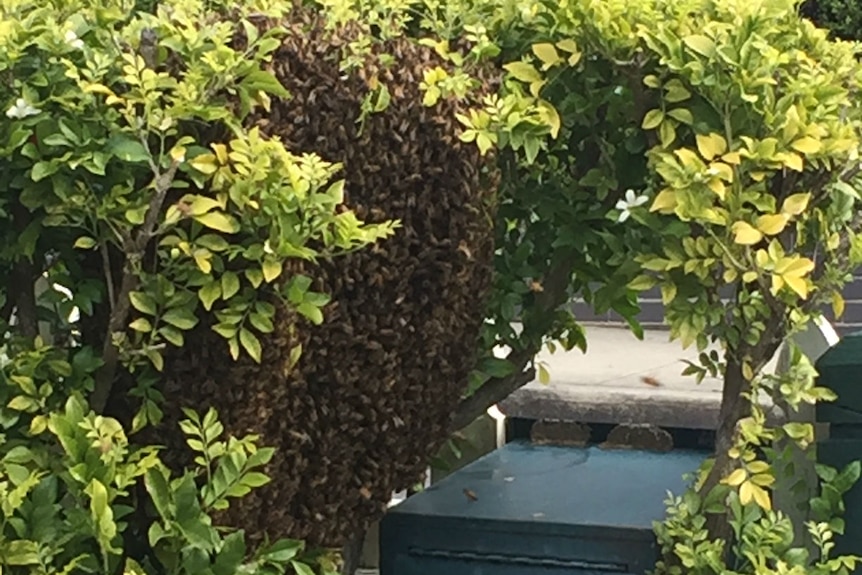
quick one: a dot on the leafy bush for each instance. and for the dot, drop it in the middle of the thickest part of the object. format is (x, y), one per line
(842, 17)
(134, 202)
(708, 148)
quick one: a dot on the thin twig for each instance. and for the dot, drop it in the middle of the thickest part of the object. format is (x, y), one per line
(109, 278)
(135, 248)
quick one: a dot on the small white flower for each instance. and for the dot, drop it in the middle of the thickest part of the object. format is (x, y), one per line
(21, 109)
(73, 40)
(630, 202)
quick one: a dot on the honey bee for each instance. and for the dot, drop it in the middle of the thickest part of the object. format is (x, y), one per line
(471, 496)
(651, 381)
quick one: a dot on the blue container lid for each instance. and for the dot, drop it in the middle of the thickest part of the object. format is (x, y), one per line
(591, 487)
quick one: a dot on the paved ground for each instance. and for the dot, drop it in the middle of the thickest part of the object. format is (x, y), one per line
(621, 380)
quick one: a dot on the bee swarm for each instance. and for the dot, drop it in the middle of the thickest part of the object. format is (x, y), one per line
(374, 389)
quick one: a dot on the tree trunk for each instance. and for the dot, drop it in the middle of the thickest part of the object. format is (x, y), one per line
(351, 554)
(734, 407)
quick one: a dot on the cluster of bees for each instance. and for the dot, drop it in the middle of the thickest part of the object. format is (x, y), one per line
(371, 397)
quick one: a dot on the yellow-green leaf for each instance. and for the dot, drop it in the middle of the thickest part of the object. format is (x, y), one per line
(749, 277)
(745, 493)
(642, 283)
(544, 375)
(202, 259)
(250, 344)
(254, 276)
(837, 305)
(38, 424)
(736, 478)
(142, 325)
(772, 224)
(676, 93)
(793, 161)
(156, 359)
(523, 71)
(568, 45)
(666, 133)
(209, 294)
(796, 204)
(745, 234)
(711, 145)
(219, 221)
(761, 497)
(795, 267)
(205, 164)
(547, 54)
(550, 116)
(665, 201)
(700, 44)
(229, 284)
(682, 114)
(652, 119)
(271, 269)
(807, 145)
(21, 403)
(797, 284)
(85, 243)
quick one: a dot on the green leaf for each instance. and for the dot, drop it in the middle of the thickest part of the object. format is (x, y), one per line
(523, 71)
(157, 486)
(652, 119)
(544, 375)
(261, 322)
(229, 285)
(127, 149)
(255, 479)
(310, 312)
(209, 293)
(42, 170)
(226, 330)
(271, 269)
(683, 115)
(700, 44)
(22, 403)
(250, 343)
(156, 359)
(301, 568)
(172, 335)
(180, 318)
(254, 276)
(19, 552)
(143, 302)
(219, 221)
(283, 551)
(142, 325)
(263, 81)
(85, 243)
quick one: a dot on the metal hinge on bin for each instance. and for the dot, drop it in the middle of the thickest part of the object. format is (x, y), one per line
(521, 560)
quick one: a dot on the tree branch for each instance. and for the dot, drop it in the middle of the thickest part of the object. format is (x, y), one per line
(135, 248)
(494, 390)
(554, 294)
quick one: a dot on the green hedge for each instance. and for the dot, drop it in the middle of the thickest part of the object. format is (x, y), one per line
(842, 17)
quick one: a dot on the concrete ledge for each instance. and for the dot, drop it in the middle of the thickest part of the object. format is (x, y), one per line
(622, 380)
(590, 404)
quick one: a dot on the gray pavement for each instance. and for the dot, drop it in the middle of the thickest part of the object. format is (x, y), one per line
(621, 380)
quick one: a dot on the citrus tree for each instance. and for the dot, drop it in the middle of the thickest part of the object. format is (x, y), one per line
(706, 147)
